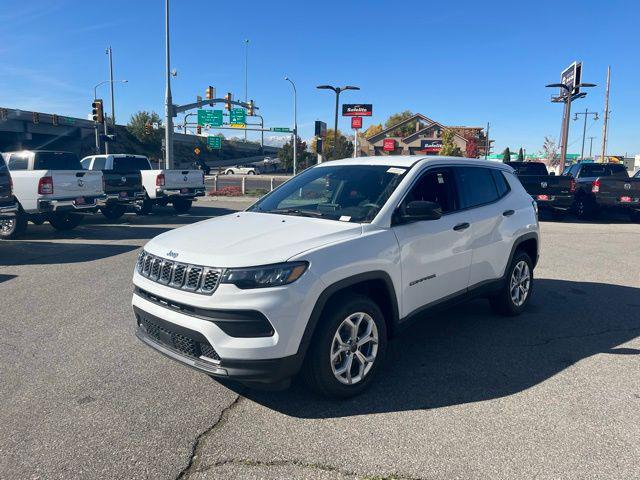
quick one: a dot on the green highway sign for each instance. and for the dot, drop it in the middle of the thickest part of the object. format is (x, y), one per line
(214, 142)
(238, 117)
(280, 129)
(209, 117)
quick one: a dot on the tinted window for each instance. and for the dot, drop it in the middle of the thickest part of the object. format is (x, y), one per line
(98, 163)
(573, 170)
(18, 162)
(501, 183)
(529, 168)
(130, 164)
(3, 166)
(477, 185)
(435, 186)
(85, 163)
(57, 161)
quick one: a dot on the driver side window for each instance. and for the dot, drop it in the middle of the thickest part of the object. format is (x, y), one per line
(436, 185)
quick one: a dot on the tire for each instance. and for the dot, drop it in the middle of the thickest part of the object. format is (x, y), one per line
(229, 172)
(145, 208)
(162, 202)
(251, 172)
(509, 303)
(113, 212)
(181, 205)
(13, 227)
(320, 373)
(65, 221)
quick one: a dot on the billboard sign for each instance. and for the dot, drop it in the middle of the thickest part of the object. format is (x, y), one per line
(357, 109)
(321, 129)
(388, 144)
(356, 122)
(430, 146)
(570, 77)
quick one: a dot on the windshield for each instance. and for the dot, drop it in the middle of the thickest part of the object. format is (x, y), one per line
(57, 161)
(130, 164)
(349, 193)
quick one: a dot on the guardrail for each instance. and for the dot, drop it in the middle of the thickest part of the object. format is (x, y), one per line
(255, 185)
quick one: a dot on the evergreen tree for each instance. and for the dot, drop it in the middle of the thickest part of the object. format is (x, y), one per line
(506, 156)
(520, 155)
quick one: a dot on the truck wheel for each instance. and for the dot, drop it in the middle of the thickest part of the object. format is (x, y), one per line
(113, 212)
(13, 227)
(181, 205)
(65, 221)
(145, 208)
(347, 349)
(514, 295)
(162, 202)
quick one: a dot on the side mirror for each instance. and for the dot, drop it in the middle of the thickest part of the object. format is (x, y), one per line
(420, 210)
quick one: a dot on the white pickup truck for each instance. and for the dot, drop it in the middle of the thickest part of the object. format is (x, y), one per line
(178, 187)
(51, 186)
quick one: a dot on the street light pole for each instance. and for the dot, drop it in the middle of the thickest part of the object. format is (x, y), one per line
(168, 101)
(246, 77)
(95, 96)
(295, 125)
(113, 114)
(586, 113)
(337, 91)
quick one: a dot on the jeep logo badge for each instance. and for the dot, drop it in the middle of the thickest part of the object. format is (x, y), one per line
(543, 184)
(172, 254)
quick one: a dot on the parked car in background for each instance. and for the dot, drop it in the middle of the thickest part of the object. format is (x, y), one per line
(554, 193)
(122, 183)
(51, 186)
(320, 273)
(242, 170)
(8, 203)
(161, 187)
(604, 186)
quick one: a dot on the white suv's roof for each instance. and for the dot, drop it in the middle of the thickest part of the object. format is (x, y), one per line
(407, 161)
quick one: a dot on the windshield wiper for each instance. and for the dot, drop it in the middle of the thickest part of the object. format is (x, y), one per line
(296, 211)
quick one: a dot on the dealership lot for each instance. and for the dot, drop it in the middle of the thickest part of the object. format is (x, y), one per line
(554, 393)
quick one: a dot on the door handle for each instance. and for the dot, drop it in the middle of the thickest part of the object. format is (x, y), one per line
(508, 213)
(461, 226)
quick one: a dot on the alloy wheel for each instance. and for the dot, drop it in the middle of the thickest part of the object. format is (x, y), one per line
(354, 348)
(520, 283)
(7, 225)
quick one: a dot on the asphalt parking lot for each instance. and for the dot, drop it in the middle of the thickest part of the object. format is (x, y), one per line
(552, 394)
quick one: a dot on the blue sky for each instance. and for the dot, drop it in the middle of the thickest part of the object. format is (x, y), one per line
(457, 62)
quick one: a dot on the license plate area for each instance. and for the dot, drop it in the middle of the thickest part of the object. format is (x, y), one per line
(184, 190)
(123, 195)
(80, 201)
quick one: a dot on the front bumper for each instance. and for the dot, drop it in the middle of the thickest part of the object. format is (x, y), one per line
(8, 210)
(69, 204)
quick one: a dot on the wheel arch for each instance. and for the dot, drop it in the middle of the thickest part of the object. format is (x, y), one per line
(529, 243)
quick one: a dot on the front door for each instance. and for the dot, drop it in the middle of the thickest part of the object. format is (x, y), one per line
(435, 254)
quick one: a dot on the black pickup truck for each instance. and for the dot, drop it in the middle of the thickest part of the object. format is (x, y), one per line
(8, 203)
(551, 192)
(604, 186)
(122, 184)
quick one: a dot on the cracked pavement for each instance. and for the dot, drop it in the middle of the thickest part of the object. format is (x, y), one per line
(554, 393)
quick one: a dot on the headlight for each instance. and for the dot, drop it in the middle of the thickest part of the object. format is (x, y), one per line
(266, 276)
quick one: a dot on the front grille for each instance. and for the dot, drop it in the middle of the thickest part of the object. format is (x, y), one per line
(181, 342)
(192, 278)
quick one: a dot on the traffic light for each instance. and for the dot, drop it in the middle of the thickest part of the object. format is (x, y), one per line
(98, 112)
(54, 119)
(250, 108)
(148, 129)
(199, 129)
(36, 117)
(227, 101)
(209, 93)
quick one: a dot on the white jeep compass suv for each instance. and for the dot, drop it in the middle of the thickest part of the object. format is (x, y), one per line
(321, 272)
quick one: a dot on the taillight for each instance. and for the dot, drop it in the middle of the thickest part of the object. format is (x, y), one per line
(572, 185)
(595, 186)
(45, 186)
(160, 180)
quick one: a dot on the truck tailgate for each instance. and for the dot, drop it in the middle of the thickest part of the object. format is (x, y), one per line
(74, 183)
(546, 184)
(623, 190)
(175, 179)
(117, 182)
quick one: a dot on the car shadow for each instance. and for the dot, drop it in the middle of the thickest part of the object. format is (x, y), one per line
(468, 354)
(606, 217)
(17, 252)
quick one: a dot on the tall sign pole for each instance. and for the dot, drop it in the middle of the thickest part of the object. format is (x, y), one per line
(606, 117)
(168, 101)
(113, 114)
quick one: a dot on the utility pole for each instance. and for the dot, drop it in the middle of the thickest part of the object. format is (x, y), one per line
(168, 101)
(586, 113)
(113, 113)
(606, 117)
(487, 144)
(246, 77)
(591, 146)
(295, 125)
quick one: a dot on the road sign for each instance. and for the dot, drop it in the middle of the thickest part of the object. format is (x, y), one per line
(388, 145)
(321, 129)
(238, 117)
(280, 129)
(214, 142)
(570, 77)
(210, 117)
(356, 122)
(196, 151)
(357, 109)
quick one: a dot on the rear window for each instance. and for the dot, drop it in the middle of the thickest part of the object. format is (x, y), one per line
(595, 170)
(130, 164)
(56, 161)
(529, 168)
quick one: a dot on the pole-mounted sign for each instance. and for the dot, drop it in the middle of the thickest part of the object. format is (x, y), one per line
(238, 117)
(357, 109)
(388, 144)
(571, 77)
(321, 129)
(214, 143)
(356, 123)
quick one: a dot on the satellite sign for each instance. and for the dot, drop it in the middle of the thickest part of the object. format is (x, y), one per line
(570, 77)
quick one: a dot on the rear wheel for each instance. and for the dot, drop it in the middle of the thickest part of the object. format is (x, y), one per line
(113, 212)
(348, 348)
(65, 221)
(182, 205)
(513, 297)
(13, 227)
(145, 207)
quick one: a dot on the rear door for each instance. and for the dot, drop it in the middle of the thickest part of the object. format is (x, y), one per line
(435, 254)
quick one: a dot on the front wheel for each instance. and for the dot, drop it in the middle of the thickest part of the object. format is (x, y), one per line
(348, 348)
(65, 221)
(181, 205)
(13, 227)
(113, 212)
(514, 295)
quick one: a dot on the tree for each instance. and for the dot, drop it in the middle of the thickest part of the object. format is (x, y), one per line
(550, 151)
(472, 148)
(373, 130)
(403, 130)
(506, 155)
(137, 124)
(344, 148)
(285, 154)
(449, 148)
(520, 155)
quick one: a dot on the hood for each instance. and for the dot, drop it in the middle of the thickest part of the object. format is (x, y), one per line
(246, 239)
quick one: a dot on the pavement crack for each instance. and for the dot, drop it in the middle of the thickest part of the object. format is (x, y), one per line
(196, 448)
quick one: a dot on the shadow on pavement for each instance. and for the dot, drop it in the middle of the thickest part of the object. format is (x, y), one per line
(53, 253)
(468, 354)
